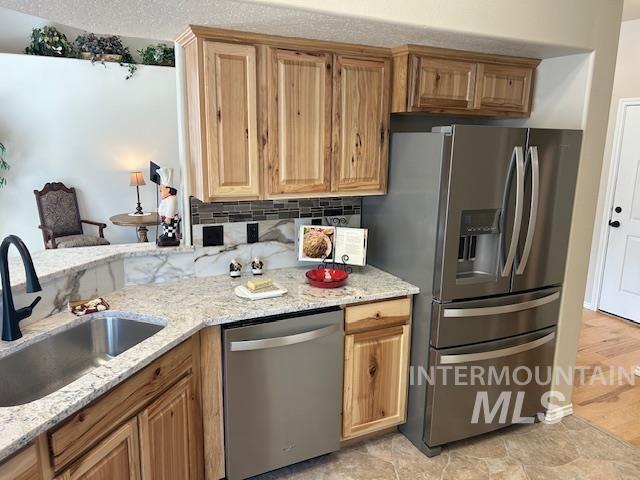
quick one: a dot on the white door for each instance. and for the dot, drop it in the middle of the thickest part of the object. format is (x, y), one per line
(621, 280)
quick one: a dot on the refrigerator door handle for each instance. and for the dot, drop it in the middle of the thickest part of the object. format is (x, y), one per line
(498, 310)
(532, 156)
(283, 341)
(503, 352)
(517, 222)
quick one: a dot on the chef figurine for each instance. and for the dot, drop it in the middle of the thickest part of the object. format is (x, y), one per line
(235, 268)
(256, 266)
(168, 209)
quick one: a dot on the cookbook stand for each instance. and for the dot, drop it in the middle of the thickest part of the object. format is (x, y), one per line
(331, 263)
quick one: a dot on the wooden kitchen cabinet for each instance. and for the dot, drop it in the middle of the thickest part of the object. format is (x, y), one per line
(148, 427)
(299, 123)
(503, 88)
(30, 463)
(231, 167)
(360, 124)
(376, 367)
(435, 80)
(222, 121)
(321, 120)
(168, 435)
(115, 458)
(439, 83)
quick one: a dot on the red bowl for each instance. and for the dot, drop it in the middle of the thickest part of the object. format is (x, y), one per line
(326, 277)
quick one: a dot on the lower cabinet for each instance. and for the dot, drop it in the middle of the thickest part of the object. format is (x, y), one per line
(116, 457)
(30, 463)
(376, 367)
(168, 440)
(151, 426)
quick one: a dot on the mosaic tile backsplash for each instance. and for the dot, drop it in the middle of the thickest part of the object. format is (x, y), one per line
(258, 210)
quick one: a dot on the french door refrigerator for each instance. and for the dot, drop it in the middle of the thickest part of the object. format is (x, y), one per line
(478, 217)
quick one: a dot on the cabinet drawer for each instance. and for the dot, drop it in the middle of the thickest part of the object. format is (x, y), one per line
(376, 315)
(94, 422)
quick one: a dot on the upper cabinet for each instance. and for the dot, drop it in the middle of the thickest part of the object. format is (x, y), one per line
(441, 83)
(222, 120)
(461, 83)
(299, 123)
(231, 121)
(360, 124)
(273, 117)
(504, 88)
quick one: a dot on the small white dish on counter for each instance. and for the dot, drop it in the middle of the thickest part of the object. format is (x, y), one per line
(243, 292)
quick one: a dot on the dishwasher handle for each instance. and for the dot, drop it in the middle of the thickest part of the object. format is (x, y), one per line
(274, 342)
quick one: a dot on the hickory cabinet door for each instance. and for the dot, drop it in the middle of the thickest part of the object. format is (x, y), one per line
(375, 380)
(299, 123)
(504, 88)
(169, 442)
(441, 83)
(360, 124)
(231, 166)
(115, 458)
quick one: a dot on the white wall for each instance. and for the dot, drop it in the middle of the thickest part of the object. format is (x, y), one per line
(626, 85)
(66, 120)
(560, 88)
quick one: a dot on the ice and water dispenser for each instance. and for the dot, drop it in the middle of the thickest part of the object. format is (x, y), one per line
(479, 246)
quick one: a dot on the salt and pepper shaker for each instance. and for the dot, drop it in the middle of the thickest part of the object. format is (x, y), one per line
(235, 268)
(256, 266)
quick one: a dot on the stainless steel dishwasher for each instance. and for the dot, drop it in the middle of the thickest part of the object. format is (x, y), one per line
(282, 391)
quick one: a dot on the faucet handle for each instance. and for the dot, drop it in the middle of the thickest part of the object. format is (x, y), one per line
(34, 303)
(26, 312)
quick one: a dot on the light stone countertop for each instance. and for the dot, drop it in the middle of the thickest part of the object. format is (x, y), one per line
(185, 307)
(60, 262)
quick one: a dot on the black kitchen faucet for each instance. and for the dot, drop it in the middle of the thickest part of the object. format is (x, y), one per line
(10, 316)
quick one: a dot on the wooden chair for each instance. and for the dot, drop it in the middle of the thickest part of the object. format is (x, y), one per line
(60, 220)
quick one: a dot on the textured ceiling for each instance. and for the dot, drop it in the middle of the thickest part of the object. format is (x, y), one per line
(165, 19)
(631, 10)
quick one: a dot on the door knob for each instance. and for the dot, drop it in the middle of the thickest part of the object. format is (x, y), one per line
(614, 224)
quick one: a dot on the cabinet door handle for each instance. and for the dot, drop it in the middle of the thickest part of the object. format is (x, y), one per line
(283, 341)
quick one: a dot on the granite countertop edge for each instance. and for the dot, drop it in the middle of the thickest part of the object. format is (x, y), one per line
(184, 307)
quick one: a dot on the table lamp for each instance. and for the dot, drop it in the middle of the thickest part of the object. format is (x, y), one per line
(136, 180)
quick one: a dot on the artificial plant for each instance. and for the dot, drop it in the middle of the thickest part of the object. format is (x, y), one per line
(50, 42)
(95, 47)
(159, 54)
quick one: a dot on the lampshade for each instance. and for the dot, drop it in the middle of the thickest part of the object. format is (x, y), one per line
(137, 179)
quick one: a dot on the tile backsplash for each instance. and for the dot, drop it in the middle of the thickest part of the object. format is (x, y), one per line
(259, 210)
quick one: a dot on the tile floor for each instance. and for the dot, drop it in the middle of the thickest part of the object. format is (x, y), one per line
(572, 449)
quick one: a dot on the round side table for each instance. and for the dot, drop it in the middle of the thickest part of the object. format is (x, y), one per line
(141, 222)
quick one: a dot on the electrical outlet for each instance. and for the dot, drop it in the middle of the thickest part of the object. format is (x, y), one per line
(252, 233)
(212, 236)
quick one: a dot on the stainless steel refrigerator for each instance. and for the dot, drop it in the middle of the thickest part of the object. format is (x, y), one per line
(478, 217)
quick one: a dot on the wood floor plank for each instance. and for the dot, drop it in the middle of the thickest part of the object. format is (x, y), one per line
(607, 341)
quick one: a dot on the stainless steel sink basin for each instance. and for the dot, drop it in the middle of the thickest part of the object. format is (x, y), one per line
(48, 365)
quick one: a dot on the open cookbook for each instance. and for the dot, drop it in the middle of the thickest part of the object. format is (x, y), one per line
(340, 244)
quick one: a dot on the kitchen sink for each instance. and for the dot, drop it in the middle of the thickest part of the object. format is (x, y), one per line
(48, 365)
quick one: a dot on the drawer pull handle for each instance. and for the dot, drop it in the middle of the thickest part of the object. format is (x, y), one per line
(514, 307)
(503, 352)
